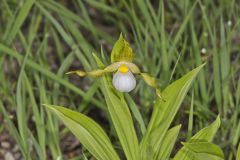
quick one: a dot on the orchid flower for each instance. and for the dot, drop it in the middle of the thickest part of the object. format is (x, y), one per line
(123, 69)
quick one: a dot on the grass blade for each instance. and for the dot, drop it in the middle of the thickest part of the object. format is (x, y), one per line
(49, 74)
(19, 21)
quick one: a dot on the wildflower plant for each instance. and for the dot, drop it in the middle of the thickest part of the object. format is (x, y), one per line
(157, 138)
(123, 79)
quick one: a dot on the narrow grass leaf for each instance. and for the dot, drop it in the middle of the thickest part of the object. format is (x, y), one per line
(48, 74)
(238, 152)
(12, 129)
(190, 118)
(19, 20)
(136, 113)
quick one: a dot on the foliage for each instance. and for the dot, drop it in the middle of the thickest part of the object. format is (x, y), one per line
(155, 142)
(42, 40)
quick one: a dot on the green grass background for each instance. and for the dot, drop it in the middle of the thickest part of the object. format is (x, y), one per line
(40, 40)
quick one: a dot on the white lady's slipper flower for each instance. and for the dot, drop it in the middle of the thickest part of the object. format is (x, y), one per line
(123, 79)
(123, 68)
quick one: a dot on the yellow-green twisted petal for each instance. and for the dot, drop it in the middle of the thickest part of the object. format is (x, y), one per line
(151, 81)
(134, 68)
(95, 73)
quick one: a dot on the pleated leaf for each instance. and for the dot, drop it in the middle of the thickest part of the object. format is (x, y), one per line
(87, 131)
(122, 120)
(204, 148)
(164, 113)
(120, 116)
(203, 137)
(168, 143)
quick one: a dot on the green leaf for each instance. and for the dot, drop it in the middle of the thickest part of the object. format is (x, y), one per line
(204, 135)
(238, 152)
(36, 67)
(12, 129)
(209, 132)
(122, 119)
(165, 111)
(121, 51)
(88, 132)
(11, 33)
(168, 142)
(190, 155)
(120, 116)
(136, 113)
(204, 147)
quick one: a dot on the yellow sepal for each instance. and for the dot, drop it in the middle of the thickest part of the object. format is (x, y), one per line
(151, 81)
(122, 51)
(95, 73)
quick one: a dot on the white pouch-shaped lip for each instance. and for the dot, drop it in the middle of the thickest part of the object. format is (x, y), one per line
(124, 82)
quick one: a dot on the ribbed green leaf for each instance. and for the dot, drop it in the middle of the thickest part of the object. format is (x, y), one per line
(136, 113)
(121, 116)
(187, 154)
(88, 132)
(122, 120)
(209, 132)
(204, 148)
(168, 143)
(165, 111)
(238, 153)
(204, 135)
